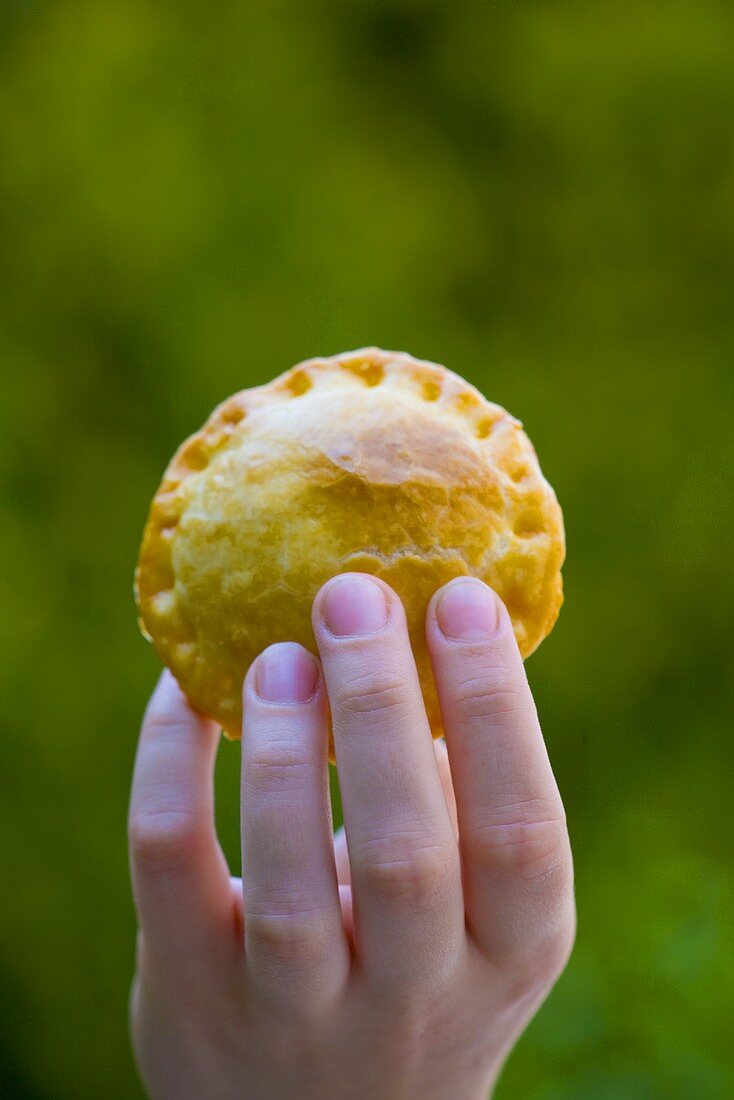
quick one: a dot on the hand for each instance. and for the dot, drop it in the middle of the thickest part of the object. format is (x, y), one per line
(414, 976)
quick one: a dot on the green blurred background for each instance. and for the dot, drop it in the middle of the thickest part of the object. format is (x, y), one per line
(538, 194)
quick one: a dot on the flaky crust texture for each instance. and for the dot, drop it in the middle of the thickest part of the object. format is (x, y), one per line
(371, 461)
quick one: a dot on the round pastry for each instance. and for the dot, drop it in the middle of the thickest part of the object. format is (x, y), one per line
(370, 461)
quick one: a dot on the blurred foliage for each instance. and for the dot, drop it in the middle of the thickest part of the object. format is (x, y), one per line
(539, 194)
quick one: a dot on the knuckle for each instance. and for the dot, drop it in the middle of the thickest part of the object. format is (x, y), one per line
(489, 694)
(288, 935)
(407, 872)
(371, 693)
(528, 838)
(164, 840)
(167, 722)
(280, 761)
(536, 963)
(559, 945)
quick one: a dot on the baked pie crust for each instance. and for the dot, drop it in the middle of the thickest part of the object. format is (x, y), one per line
(370, 461)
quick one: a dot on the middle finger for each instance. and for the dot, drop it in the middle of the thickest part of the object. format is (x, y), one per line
(402, 849)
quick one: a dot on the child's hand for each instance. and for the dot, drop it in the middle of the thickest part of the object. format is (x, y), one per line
(412, 978)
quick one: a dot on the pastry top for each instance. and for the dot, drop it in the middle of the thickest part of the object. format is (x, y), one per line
(370, 461)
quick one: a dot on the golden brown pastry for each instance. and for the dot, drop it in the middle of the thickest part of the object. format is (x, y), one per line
(370, 461)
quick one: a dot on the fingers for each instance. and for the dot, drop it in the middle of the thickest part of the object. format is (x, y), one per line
(341, 857)
(402, 848)
(180, 877)
(296, 948)
(515, 848)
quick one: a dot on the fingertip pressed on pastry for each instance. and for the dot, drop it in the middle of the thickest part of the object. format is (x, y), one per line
(370, 461)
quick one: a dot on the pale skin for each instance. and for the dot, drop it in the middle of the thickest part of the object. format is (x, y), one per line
(400, 959)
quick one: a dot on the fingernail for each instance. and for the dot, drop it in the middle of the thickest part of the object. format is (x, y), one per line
(468, 611)
(286, 673)
(354, 605)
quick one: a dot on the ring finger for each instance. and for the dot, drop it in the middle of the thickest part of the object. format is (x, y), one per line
(294, 938)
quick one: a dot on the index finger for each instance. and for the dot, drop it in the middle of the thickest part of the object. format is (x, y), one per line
(512, 828)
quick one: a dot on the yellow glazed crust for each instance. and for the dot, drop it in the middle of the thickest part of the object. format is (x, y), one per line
(371, 461)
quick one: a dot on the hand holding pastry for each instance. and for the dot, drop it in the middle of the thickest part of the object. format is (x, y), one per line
(414, 975)
(390, 531)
